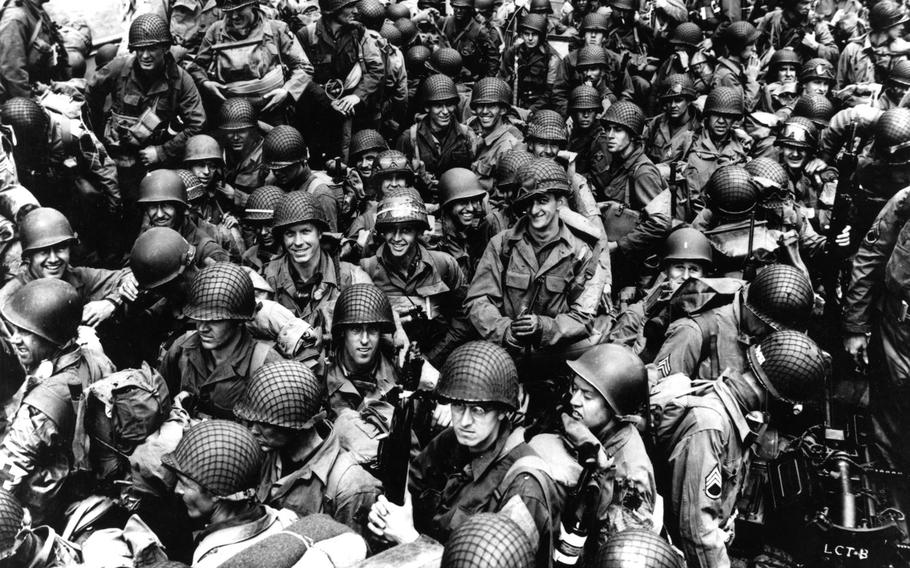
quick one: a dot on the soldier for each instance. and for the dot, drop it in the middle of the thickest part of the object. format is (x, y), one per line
(348, 72)
(247, 54)
(306, 471)
(530, 64)
(189, 20)
(702, 346)
(47, 239)
(415, 62)
(587, 138)
(612, 79)
(31, 49)
(793, 25)
(366, 145)
(591, 67)
(429, 286)
(284, 154)
(685, 40)
(609, 387)
(505, 189)
(306, 279)
(465, 34)
(480, 381)
(798, 141)
(634, 546)
(448, 62)
(740, 67)
(214, 363)
(488, 540)
(868, 57)
(41, 449)
(242, 141)
(151, 97)
(895, 89)
(438, 142)
(163, 202)
(257, 226)
(816, 108)
(816, 77)
(779, 93)
(24, 545)
(466, 227)
(514, 299)
(666, 133)
(705, 441)
(491, 101)
(717, 144)
(217, 465)
(217, 200)
(633, 39)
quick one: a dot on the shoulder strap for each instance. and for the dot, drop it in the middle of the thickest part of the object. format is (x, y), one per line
(342, 464)
(537, 468)
(57, 407)
(260, 353)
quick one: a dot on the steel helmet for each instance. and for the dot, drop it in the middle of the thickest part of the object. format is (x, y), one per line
(781, 296)
(328, 7)
(785, 56)
(585, 97)
(44, 227)
(800, 132)
(731, 192)
(491, 90)
(439, 88)
(638, 548)
(159, 255)
(483, 5)
(294, 208)
(392, 162)
(285, 394)
(222, 291)
(162, 186)
(817, 69)
(595, 22)
(534, 22)
(617, 373)
(790, 365)
(547, 125)
(687, 34)
(623, 4)
(900, 72)
(48, 307)
(479, 371)
(459, 183)
(194, 188)
(237, 113)
(391, 33)
(220, 455)
(627, 115)
(149, 30)
(12, 521)
(768, 172)
(508, 166)
(363, 304)
(415, 60)
(488, 540)
(540, 7)
(892, 135)
(230, 5)
(591, 56)
(366, 140)
(725, 100)
(402, 207)
(445, 60)
(687, 243)
(262, 202)
(283, 146)
(371, 13)
(815, 107)
(540, 175)
(678, 84)
(397, 11)
(408, 30)
(740, 34)
(885, 15)
(27, 118)
(202, 147)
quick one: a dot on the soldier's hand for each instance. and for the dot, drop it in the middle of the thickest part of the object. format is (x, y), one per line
(129, 287)
(149, 156)
(815, 166)
(393, 522)
(753, 68)
(275, 99)
(214, 88)
(96, 312)
(856, 345)
(229, 221)
(843, 239)
(810, 42)
(442, 416)
(345, 105)
(525, 326)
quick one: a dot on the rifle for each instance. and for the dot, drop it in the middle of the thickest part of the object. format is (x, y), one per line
(840, 212)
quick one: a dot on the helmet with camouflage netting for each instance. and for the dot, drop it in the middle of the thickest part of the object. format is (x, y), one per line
(491, 90)
(285, 394)
(237, 113)
(363, 304)
(13, 519)
(637, 548)
(260, 206)
(194, 188)
(547, 125)
(488, 540)
(781, 296)
(222, 291)
(367, 140)
(627, 115)
(27, 118)
(404, 207)
(539, 176)
(731, 192)
(508, 166)
(283, 146)
(439, 88)
(585, 97)
(790, 365)
(149, 30)
(297, 207)
(445, 60)
(892, 135)
(479, 371)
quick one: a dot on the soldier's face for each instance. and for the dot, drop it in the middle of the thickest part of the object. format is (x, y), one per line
(468, 212)
(441, 114)
(237, 139)
(591, 75)
(361, 342)
(301, 241)
(400, 238)
(718, 125)
(676, 107)
(199, 503)
(393, 181)
(264, 236)
(346, 15)
(241, 20)
(794, 157)
(216, 334)
(150, 59)
(531, 39)
(703, 71)
(588, 406)
(50, 262)
(594, 37)
(365, 163)
(678, 271)
(622, 16)
(802, 8)
(287, 174)
(543, 212)
(429, 38)
(476, 425)
(584, 118)
(462, 14)
(747, 53)
(161, 214)
(896, 91)
(271, 437)
(786, 73)
(205, 170)
(488, 114)
(618, 139)
(30, 349)
(543, 148)
(816, 87)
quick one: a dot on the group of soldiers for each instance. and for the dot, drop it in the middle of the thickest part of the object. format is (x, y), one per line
(464, 284)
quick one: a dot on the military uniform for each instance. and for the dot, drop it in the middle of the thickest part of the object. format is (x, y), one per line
(729, 73)
(477, 48)
(31, 48)
(188, 28)
(593, 159)
(703, 156)
(783, 30)
(491, 147)
(537, 69)
(92, 284)
(616, 80)
(245, 172)
(440, 151)
(347, 389)
(221, 541)
(326, 198)
(663, 143)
